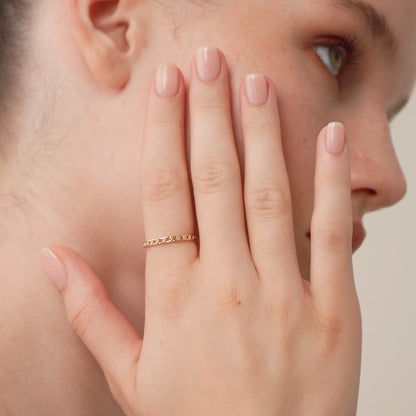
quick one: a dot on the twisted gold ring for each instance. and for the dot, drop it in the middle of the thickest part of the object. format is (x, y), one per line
(169, 239)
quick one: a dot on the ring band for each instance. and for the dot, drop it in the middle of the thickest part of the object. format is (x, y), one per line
(169, 239)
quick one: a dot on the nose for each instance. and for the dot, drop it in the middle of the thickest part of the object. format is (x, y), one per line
(377, 180)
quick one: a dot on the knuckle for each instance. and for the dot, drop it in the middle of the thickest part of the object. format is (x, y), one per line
(268, 203)
(166, 122)
(165, 113)
(160, 185)
(169, 293)
(280, 309)
(333, 237)
(212, 102)
(83, 318)
(256, 126)
(214, 177)
(330, 326)
(229, 297)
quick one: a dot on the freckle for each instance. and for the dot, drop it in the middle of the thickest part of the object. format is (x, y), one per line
(239, 302)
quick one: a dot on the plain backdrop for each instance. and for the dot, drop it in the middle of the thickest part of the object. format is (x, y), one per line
(385, 275)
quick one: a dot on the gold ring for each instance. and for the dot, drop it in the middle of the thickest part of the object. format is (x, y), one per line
(169, 239)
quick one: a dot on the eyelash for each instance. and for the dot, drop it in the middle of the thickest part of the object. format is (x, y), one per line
(353, 46)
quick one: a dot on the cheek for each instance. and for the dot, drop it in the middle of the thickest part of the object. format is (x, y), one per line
(302, 117)
(303, 113)
(304, 106)
(301, 121)
(299, 128)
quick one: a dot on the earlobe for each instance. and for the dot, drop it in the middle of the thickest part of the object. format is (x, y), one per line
(107, 36)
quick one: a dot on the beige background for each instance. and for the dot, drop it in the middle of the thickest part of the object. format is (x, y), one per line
(385, 274)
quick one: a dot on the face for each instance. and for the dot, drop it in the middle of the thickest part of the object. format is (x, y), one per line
(331, 60)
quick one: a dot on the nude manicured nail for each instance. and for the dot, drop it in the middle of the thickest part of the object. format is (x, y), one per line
(208, 64)
(335, 138)
(257, 90)
(54, 267)
(167, 80)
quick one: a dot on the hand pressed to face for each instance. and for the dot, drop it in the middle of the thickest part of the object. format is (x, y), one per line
(230, 323)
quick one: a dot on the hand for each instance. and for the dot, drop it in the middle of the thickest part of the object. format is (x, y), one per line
(231, 327)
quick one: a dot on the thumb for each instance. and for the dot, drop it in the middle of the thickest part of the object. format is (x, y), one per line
(105, 331)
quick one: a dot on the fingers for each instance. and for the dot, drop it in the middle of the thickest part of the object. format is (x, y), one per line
(214, 162)
(266, 187)
(331, 228)
(166, 195)
(107, 334)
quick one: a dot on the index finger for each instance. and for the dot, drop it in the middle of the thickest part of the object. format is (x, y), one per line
(166, 194)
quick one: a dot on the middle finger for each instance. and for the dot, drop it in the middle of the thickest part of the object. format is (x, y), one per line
(215, 168)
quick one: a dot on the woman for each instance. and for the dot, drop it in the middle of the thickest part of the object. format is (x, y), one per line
(258, 314)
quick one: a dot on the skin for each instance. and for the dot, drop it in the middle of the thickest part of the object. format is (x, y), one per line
(87, 197)
(230, 327)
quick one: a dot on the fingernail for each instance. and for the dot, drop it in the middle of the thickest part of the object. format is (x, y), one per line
(54, 267)
(208, 64)
(257, 90)
(167, 80)
(335, 138)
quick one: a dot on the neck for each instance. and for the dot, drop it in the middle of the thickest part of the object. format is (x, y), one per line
(85, 197)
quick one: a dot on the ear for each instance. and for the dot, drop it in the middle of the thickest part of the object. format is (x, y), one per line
(107, 35)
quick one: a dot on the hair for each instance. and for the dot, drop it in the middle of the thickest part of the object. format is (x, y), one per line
(14, 23)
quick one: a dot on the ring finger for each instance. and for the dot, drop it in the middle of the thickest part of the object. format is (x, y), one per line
(266, 186)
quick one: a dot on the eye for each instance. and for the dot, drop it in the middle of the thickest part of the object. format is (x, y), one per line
(334, 57)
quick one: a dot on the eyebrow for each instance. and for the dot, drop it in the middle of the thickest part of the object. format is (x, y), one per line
(374, 19)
